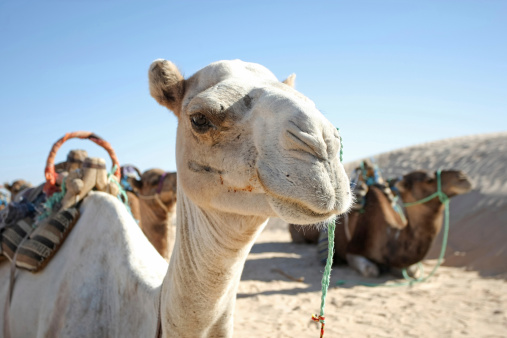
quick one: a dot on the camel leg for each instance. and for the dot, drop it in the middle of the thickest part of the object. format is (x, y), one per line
(364, 266)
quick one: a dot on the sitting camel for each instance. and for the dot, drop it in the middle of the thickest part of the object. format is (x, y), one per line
(248, 148)
(153, 203)
(381, 237)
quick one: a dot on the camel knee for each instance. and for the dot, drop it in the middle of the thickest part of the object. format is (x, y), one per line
(364, 266)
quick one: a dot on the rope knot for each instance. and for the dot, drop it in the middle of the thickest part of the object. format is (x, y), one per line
(322, 321)
(317, 318)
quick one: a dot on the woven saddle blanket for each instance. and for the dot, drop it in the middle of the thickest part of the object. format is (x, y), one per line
(28, 242)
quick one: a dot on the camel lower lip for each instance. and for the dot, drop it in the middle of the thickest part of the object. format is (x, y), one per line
(309, 212)
(297, 213)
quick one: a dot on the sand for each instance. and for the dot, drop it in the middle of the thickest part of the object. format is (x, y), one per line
(467, 297)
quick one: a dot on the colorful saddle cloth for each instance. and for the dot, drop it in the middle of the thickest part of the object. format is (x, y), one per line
(30, 242)
(32, 245)
(367, 175)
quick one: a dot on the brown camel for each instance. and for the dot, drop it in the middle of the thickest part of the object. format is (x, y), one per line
(379, 237)
(153, 204)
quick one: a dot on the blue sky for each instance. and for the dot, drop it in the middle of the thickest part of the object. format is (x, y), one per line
(388, 73)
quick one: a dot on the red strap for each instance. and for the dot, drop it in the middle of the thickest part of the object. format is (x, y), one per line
(322, 320)
(161, 182)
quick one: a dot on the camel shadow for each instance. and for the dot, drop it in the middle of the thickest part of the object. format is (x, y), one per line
(297, 264)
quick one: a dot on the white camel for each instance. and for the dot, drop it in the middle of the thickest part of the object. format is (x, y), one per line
(248, 147)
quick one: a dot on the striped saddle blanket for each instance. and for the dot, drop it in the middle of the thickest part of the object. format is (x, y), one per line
(30, 243)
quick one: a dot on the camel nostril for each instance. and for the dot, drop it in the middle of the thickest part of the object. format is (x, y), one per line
(297, 139)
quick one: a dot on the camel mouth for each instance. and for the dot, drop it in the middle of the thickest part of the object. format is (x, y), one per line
(296, 212)
(463, 186)
(301, 212)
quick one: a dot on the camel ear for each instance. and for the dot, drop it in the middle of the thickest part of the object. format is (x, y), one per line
(290, 81)
(135, 184)
(8, 186)
(167, 85)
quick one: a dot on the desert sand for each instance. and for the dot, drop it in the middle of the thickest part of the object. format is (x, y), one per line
(467, 297)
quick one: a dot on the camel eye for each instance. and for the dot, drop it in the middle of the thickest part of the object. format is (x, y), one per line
(200, 123)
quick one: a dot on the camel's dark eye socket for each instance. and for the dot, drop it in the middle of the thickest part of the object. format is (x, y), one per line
(200, 123)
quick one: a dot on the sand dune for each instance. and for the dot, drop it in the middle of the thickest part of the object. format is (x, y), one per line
(467, 297)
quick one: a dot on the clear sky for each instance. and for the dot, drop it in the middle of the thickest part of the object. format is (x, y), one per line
(388, 73)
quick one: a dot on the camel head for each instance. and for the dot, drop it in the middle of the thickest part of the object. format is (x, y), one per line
(75, 159)
(16, 187)
(249, 144)
(154, 181)
(417, 185)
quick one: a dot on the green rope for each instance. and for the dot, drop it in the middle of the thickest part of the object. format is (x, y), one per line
(326, 277)
(122, 195)
(327, 271)
(399, 209)
(444, 199)
(51, 202)
(341, 145)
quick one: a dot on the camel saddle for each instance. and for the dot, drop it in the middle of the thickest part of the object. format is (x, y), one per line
(33, 229)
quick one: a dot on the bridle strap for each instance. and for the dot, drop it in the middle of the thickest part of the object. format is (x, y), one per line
(156, 197)
(161, 182)
(440, 194)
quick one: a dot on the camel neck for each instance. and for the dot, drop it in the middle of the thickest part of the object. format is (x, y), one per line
(426, 219)
(199, 292)
(156, 224)
(424, 224)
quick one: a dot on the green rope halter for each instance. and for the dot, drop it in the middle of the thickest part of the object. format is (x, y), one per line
(440, 194)
(444, 199)
(52, 202)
